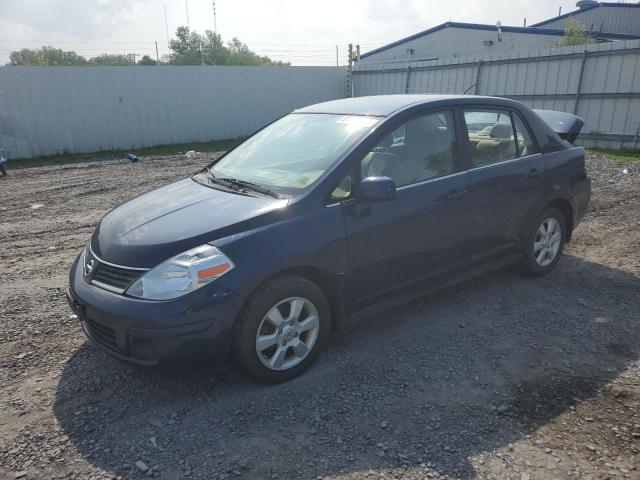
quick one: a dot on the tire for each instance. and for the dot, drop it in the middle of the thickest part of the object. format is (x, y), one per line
(276, 302)
(535, 261)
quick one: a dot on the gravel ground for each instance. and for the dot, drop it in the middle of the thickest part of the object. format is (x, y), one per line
(501, 377)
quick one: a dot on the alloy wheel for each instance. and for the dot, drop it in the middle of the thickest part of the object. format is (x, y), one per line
(287, 333)
(547, 242)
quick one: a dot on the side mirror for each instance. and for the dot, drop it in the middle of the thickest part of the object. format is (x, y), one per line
(377, 189)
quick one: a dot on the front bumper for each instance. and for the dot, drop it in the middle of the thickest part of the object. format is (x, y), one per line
(194, 329)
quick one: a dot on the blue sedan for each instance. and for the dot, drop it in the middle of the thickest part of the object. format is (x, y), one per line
(328, 214)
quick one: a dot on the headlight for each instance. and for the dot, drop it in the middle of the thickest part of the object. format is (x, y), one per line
(182, 274)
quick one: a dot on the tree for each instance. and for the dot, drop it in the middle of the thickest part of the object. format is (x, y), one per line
(239, 54)
(109, 59)
(575, 34)
(46, 56)
(147, 60)
(188, 48)
(192, 48)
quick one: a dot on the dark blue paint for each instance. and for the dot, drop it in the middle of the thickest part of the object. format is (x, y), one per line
(365, 254)
(397, 244)
(377, 189)
(169, 220)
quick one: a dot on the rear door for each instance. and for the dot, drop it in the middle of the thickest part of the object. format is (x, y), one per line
(506, 174)
(397, 245)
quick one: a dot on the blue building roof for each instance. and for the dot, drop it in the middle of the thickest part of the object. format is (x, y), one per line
(586, 9)
(493, 28)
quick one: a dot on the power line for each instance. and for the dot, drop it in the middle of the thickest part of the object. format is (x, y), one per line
(151, 42)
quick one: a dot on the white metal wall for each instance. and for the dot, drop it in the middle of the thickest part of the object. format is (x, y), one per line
(49, 110)
(602, 86)
(452, 41)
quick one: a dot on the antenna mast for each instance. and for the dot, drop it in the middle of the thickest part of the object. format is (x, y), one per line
(166, 25)
(215, 23)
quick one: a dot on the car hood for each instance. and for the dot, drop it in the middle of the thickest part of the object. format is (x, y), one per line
(167, 221)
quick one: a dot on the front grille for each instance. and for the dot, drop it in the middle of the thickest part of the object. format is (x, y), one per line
(116, 277)
(102, 334)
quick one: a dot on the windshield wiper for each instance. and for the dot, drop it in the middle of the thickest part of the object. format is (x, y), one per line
(237, 185)
(250, 185)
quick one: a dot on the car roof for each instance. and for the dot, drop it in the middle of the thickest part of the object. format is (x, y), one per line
(385, 105)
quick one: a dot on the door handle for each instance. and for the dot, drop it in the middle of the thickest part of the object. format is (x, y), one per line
(534, 173)
(455, 194)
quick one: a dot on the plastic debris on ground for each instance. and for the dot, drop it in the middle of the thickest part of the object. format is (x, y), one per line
(4, 156)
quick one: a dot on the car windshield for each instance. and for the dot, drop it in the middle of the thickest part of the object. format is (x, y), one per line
(291, 154)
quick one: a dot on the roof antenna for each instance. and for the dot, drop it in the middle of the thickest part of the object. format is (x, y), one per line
(465, 92)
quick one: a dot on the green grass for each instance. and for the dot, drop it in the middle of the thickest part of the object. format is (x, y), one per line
(217, 146)
(625, 155)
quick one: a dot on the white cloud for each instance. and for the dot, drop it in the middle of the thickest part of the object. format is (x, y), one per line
(304, 31)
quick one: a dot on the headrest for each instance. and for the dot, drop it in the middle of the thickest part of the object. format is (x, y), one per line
(501, 130)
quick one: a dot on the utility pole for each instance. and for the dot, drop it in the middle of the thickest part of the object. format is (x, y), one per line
(560, 10)
(186, 3)
(215, 23)
(357, 53)
(157, 55)
(201, 55)
(166, 25)
(350, 72)
(337, 57)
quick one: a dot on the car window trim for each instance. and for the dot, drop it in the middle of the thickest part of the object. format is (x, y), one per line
(430, 180)
(502, 162)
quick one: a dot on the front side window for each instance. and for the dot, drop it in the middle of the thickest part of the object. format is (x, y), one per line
(344, 189)
(291, 154)
(421, 149)
(490, 136)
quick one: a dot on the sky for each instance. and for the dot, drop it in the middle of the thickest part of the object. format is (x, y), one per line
(300, 31)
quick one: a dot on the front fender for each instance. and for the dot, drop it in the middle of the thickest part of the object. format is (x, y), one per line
(316, 239)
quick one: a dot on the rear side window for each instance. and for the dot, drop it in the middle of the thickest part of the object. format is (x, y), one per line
(523, 138)
(490, 136)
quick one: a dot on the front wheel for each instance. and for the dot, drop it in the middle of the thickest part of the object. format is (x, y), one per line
(282, 329)
(545, 242)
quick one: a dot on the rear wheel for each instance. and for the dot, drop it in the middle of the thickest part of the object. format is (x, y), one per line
(282, 329)
(545, 243)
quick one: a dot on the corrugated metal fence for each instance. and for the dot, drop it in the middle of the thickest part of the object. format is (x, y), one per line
(600, 83)
(50, 110)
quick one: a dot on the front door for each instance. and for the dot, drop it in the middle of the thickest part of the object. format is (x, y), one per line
(400, 244)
